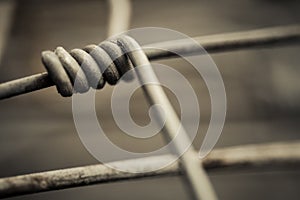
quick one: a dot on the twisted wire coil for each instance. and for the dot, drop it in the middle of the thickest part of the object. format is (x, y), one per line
(78, 70)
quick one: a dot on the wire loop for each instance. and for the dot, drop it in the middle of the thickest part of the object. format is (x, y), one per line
(92, 66)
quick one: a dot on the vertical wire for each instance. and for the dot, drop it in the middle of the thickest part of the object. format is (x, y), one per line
(7, 9)
(119, 16)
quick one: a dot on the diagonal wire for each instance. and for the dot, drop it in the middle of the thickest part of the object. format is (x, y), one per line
(173, 130)
(201, 187)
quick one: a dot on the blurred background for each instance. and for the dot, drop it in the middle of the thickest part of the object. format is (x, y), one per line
(37, 131)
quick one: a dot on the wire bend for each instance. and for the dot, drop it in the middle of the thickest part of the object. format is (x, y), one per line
(78, 70)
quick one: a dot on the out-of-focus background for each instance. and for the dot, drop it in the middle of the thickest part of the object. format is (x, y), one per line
(37, 131)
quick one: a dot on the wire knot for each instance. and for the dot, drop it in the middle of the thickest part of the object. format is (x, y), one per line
(78, 70)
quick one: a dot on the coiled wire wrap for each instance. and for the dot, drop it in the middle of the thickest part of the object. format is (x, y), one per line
(92, 66)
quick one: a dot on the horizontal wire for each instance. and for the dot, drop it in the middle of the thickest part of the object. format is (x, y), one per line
(218, 43)
(281, 154)
(267, 37)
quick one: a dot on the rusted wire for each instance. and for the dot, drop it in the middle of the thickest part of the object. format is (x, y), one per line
(262, 156)
(213, 44)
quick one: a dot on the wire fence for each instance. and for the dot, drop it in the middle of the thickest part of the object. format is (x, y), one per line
(284, 154)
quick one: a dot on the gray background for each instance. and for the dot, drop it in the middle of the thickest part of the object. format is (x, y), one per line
(38, 132)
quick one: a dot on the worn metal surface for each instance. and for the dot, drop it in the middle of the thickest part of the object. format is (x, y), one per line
(272, 155)
(218, 43)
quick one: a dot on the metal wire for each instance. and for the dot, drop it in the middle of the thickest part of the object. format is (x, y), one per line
(7, 9)
(200, 185)
(79, 70)
(173, 130)
(201, 188)
(63, 68)
(119, 16)
(232, 159)
(217, 43)
(112, 59)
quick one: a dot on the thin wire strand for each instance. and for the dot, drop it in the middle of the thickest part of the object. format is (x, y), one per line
(119, 16)
(268, 37)
(232, 159)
